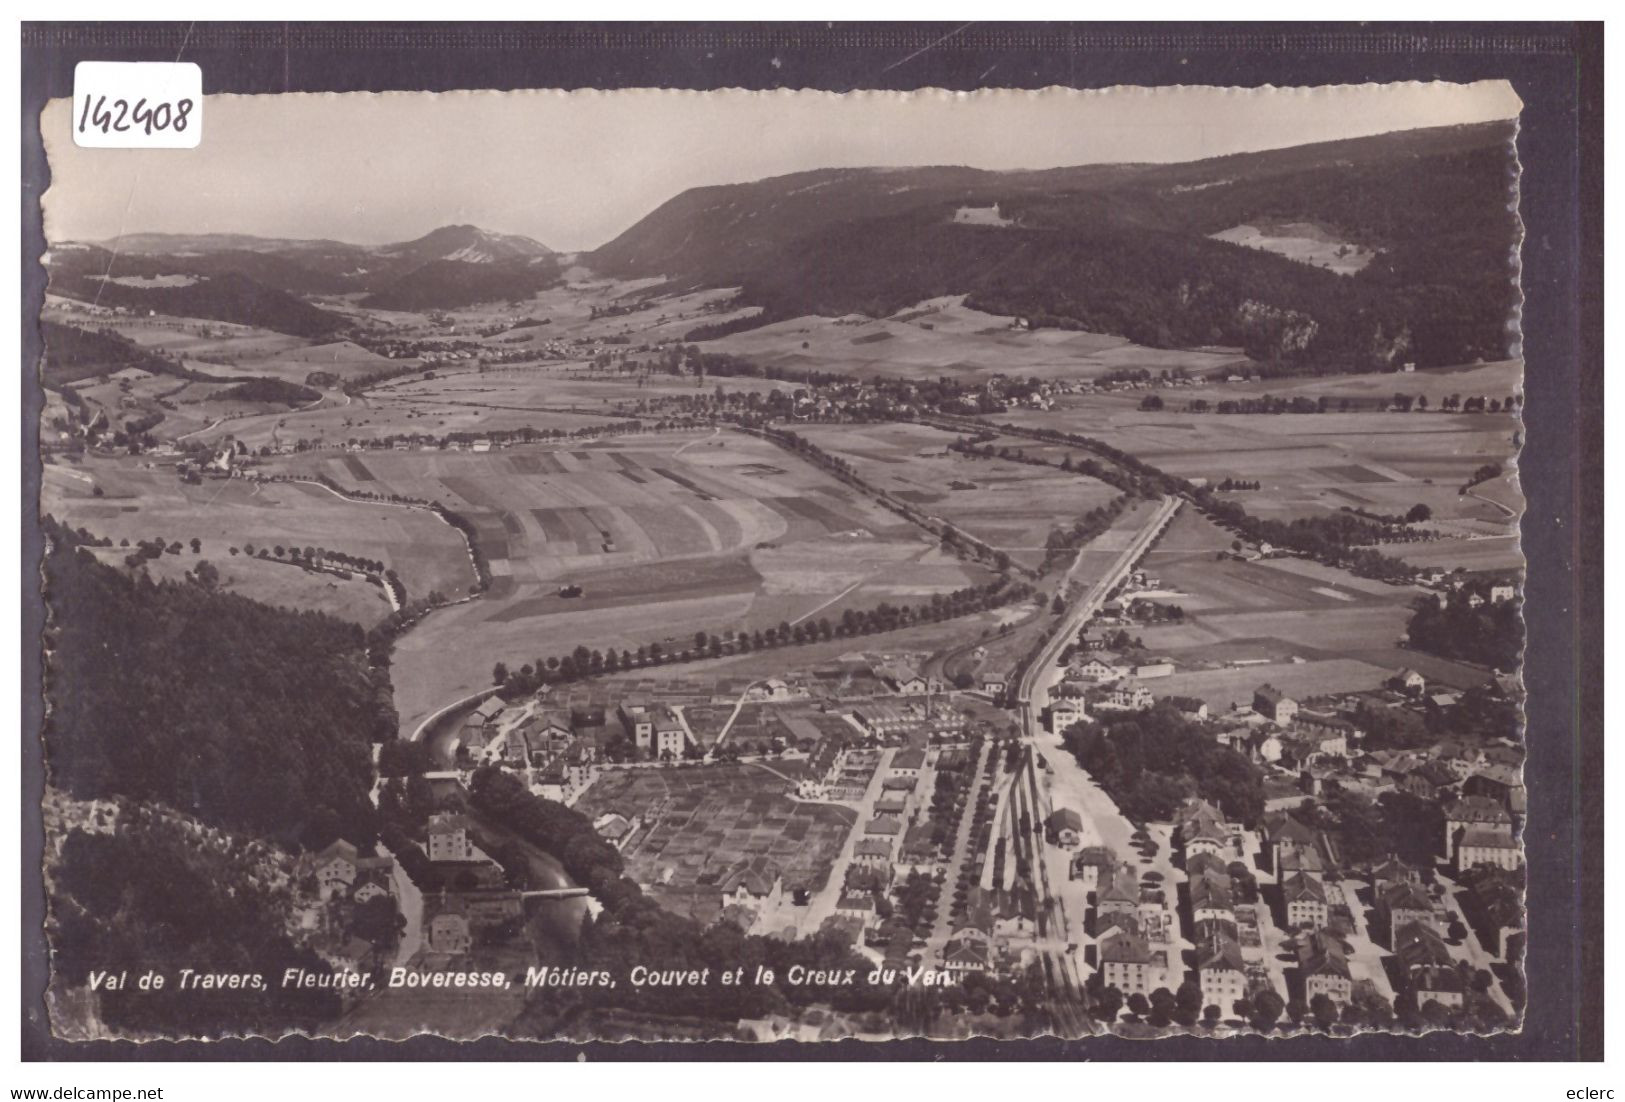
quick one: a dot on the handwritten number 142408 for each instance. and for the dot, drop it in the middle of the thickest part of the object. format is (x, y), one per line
(120, 116)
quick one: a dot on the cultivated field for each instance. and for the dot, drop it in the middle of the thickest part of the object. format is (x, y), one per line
(1009, 505)
(139, 500)
(665, 535)
(699, 822)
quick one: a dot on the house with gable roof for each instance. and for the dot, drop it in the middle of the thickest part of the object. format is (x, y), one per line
(1305, 898)
(335, 868)
(1273, 704)
(1324, 967)
(448, 838)
(1130, 964)
(1221, 972)
(1478, 813)
(1404, 903)
(752, 882)
(1064, 827)
(1090, 864)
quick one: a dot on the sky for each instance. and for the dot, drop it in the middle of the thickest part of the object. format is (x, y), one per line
(574, 169)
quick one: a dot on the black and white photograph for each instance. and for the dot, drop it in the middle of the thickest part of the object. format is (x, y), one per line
(750, 566)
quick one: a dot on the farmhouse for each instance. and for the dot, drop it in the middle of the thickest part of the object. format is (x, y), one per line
(474, 740)
(1429, 781)
(1332, 734)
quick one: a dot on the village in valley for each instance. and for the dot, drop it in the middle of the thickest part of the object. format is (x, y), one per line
(1064, 683)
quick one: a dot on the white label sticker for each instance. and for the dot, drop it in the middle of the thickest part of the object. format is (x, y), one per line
(137, 104)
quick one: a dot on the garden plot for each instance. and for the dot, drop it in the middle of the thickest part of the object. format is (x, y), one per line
(699, 823)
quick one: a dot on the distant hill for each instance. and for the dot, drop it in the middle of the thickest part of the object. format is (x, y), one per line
(468, 244)
(1125, 249)
(448, 267)
(175, 244)
(190, 287)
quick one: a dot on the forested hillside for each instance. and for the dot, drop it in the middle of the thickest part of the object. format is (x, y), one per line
(249, 717)
(227, 295)
(72, 354)
(1126, 249)
(448, 284)
(148, 896)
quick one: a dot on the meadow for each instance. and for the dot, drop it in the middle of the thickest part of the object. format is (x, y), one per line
(1312, 625)
(140, 500)
(1310, 464)
(943, 336)
(271, 582)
